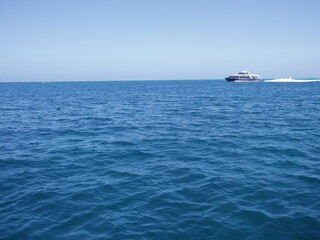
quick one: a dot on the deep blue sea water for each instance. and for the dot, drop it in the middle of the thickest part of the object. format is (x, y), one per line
(160, 160)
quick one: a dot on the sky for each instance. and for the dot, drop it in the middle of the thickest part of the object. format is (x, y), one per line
(84, 40)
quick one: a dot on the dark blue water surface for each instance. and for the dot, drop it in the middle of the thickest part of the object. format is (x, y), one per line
(160, 160)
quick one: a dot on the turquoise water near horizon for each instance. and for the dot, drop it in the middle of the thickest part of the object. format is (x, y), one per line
(160, 160)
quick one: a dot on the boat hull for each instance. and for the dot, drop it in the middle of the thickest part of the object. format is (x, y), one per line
(231, 79)
(241, 80)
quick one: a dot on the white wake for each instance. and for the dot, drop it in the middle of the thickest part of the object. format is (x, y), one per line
(291, 80)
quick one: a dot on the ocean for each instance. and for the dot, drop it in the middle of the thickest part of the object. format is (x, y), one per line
(160, 160)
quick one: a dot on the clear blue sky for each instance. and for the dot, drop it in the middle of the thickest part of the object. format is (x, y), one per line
(157, 39)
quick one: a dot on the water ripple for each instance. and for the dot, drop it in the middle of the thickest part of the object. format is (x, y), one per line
(160, 160)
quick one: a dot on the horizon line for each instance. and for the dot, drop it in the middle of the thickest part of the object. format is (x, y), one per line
(138, 80)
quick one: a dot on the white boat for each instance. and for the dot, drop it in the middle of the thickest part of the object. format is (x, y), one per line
(243, 76)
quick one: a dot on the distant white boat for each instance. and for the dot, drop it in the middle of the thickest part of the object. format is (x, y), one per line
(243, 76)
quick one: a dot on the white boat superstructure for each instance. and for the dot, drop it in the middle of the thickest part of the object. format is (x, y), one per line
(243, 76)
